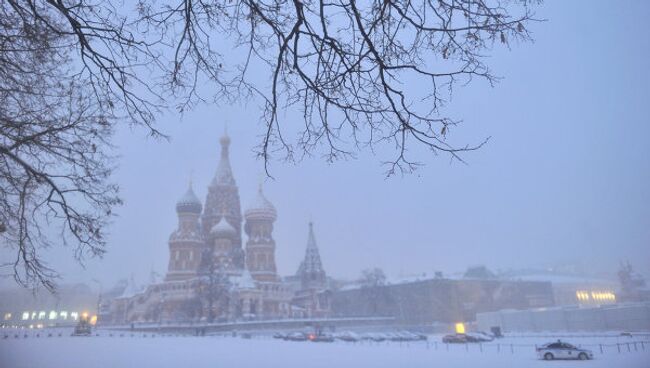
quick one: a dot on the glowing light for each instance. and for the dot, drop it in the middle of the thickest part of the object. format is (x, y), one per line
(53, 314)
(93, 320)
(460, 328)
(25, 316)
(41, 315)
(84, 315)
(33, 315)
(63, 315)
(74, 315)
(7, 316)
(595, 296)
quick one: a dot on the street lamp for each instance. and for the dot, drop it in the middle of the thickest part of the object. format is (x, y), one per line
(99, 297)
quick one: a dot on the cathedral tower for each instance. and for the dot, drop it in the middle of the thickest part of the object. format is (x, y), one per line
(311, 272)
(260, 247)
(186, 243)
(222, 201)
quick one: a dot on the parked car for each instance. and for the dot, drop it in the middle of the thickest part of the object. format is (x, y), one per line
(420, 337)
(376, 337)
(322, 337)
(407, 336)
(83, 327)
(279, 335)
(455, 339)
(478, 337)
(296, 336)
(348, 336)
(563, 350)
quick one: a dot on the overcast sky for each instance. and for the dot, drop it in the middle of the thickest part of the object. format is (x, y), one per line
(565, 177)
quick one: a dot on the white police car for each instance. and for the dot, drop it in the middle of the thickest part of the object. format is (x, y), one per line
(563, 350)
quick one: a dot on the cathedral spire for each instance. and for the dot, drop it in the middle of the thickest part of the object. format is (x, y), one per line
(311, 269)
(224, 174)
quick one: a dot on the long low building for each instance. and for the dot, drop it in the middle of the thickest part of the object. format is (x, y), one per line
(614, 317)
(23, 307)
(440, 300)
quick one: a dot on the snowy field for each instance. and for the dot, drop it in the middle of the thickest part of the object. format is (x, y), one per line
(106, 351)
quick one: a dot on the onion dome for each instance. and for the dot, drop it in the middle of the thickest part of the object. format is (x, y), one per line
(223, 228)
(189, 203)
(261, 208)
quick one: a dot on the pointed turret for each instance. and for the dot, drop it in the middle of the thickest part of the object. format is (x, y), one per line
(224, 174)
(311, 272)
(222, 204)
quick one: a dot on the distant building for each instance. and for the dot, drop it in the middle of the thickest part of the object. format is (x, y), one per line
(617, 317)
(211, 277)
(439, 300)
(313, 296)
(576, 289)
(23, 307)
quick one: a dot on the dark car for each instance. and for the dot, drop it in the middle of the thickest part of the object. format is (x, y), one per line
(83, 327)
(320, 337)
(455, 339)
(296, 336)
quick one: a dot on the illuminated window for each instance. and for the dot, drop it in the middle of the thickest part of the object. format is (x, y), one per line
(41, 315)
(74, 315)
(63, 315)
(25, 316)
(7, 316)
(33, 315)
(53, 314)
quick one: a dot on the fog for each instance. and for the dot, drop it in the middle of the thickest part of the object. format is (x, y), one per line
(534, 247)
(563, 181)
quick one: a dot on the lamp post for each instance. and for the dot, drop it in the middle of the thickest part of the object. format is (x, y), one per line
(99, 299)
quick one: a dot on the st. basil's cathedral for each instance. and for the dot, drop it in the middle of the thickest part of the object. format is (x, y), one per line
(212, 275)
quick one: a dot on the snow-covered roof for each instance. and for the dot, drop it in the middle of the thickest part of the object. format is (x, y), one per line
(244, 281)
(132, 289)
(223, 227)
(563, 279)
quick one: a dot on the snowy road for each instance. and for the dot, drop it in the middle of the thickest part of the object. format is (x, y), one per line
(200, 352)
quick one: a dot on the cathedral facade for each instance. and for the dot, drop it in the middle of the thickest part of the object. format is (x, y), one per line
(212, 275)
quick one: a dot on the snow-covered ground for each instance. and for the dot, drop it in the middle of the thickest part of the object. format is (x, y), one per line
(217, 351)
